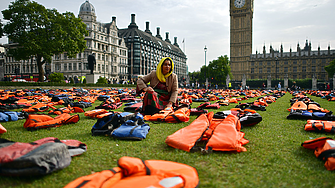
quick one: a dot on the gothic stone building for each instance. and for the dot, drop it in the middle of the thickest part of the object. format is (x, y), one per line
(304, 63)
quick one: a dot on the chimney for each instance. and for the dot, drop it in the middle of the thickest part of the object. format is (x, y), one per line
(147, 30)
(114, 19)
(158, 35)
(132, 24)
(167, 37)
(175, 42)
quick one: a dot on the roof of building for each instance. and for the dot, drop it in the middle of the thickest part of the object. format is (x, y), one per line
(87, 7)
(132, 31)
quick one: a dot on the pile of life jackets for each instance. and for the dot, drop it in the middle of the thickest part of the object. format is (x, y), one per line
(207, 134)
(37, 158)
(318, 119)
(134, 172)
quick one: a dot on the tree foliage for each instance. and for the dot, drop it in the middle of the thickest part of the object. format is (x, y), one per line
(216, 72)
(330, 69)
(102, 80)
(42, 32)
(56, 77)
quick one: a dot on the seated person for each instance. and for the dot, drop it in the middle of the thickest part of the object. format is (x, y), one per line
(163, 89)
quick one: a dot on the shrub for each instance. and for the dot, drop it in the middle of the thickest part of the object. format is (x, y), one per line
(56, 77)
(102, 80)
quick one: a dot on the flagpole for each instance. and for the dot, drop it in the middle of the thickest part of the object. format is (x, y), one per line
(184, 45)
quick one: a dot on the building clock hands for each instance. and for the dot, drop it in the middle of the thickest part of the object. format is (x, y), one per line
(239, 3)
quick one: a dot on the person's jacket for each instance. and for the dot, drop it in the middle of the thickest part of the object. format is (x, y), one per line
(171, 84)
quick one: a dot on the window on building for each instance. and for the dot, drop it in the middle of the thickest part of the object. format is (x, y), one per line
(79, 66)
(303, 69)
(304, 62)
(260, 70)
(74, 66)
(65, 66)
(294, 69)
(285, 62)
(252, 63)
(313, 62)
(294, 62)
(99, 67)
(268, 69)
(269, 63)
(313, 69)
(285, 69)
(252, 70)
(260, 63)
(294, 76)
(70, 66)
(277, 69)
(57, 67)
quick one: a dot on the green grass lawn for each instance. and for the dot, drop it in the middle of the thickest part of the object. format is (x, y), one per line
(274, 156)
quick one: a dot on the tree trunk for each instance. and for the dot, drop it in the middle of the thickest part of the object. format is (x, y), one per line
(40, 68)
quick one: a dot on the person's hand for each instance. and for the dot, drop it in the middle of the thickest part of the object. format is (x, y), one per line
(169, 104)
(148, 89)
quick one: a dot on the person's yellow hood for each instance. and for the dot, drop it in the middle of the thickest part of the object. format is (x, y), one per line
(159, 72)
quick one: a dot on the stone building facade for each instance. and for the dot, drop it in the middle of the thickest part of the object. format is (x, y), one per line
(304, 63)
(146, 50)
(103, 42)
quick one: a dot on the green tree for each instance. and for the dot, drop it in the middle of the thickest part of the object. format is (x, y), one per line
(218, 70)
(330, 69)
(56, 77)
(102, 80)
(42, 32)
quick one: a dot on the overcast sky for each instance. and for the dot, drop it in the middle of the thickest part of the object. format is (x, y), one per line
(201, 23)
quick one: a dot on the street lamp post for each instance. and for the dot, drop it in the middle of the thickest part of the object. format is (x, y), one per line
(104, 63)
(205, 49)
(276, 66)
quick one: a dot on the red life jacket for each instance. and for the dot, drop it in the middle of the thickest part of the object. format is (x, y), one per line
(134, 172)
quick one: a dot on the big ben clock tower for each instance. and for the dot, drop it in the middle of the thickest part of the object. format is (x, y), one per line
(241, 13)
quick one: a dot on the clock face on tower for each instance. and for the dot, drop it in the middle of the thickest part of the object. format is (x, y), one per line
(239, 3)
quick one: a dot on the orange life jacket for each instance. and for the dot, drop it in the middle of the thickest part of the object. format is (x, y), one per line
(2, 129)
(94, 113)
(40, 121)
(39, 107)
(320, 126)
(324, 149)
(134, 172)
(218, 134)
(316, 108)
(180, 115)
(68, 110)
(300, 105)
(159, 116)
